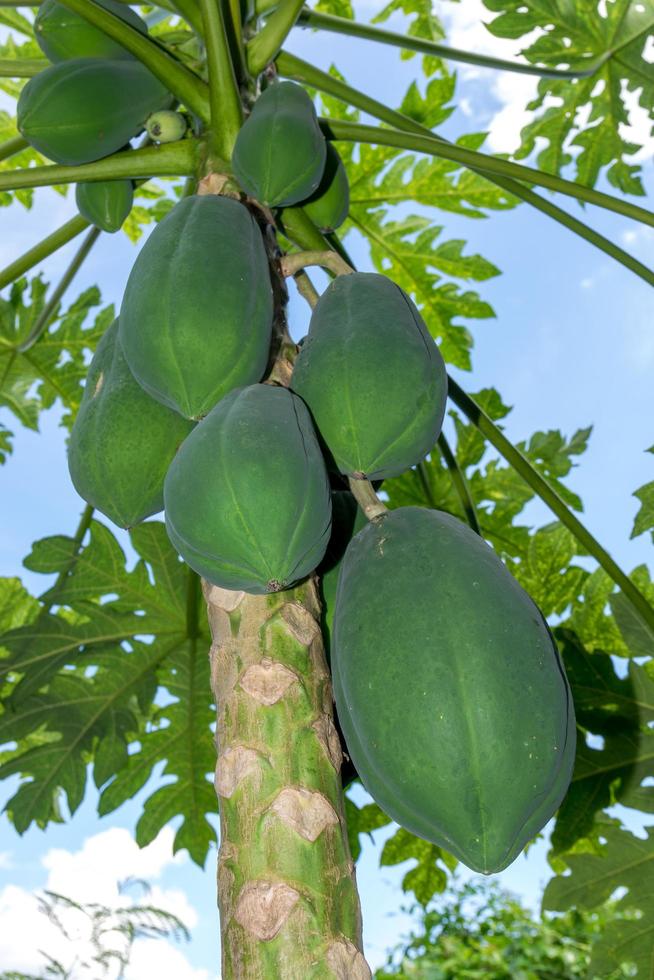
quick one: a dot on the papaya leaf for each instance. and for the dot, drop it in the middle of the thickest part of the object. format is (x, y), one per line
(55, 367)
(620, 711)
(645, 517)
(25, 158)
(625, 862)
(428, 876)
(362, 820)
(583, 119)
(106, 674)
(6, 447)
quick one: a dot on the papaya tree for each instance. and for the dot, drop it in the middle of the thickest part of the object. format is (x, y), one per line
(373, 605)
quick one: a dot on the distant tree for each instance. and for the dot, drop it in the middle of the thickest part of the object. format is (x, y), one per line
(478, 929)
(101, 938)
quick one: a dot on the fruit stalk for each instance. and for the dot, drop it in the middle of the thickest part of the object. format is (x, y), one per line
(286, 882)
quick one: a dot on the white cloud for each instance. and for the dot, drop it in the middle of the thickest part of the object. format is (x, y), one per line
(5, 860)
(94, 874)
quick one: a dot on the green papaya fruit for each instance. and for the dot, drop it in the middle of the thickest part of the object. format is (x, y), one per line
(62, 34)
(280, 151)
(122, 440)
(347, 520)
(449, 687)
(196, 317)
(247, 496)
(328, 205)
(105, 203)
(81, 110)
(372, 377)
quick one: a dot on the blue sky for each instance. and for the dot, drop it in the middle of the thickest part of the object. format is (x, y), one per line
(572, 344)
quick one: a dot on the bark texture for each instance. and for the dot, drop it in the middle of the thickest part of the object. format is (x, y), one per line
(286, 881)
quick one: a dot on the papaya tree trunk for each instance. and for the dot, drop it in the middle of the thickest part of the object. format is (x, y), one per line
(287, 893)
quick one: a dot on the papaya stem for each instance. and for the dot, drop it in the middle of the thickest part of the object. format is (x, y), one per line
(292, 67)
(80, 532)
(549, 496)
(363, 491)
(46, 315)
(166, 160)
(188, 87)
(459, 481)
(357, 133)
(298, 226)
(189, 10)
(265, 45)
(226, 110)
(12, 146)
(306, 288)
(286, 883)
(295, 261)
(22, 67)
(46, 247)
(342, 25)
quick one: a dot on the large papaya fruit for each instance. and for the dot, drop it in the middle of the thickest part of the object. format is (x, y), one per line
(449, 687)
(62, 34)
(196, 317)
(81, 110)
(105, 203)
(328, 205)
(122, 440)
(280, 151)
(372, 377)
(247, 496)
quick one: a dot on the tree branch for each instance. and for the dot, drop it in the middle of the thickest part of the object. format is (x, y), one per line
(46, 247)
(224, 98)
(293, 67)
(265, 45)
(50, 307)
(342, 25)
(356, 133)
(167, 160)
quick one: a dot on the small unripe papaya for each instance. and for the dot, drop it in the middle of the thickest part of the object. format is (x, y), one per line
(280, 151)
(328, 206)
(449, 687)
(105, 203)
(122, 441)
(81, 110)
(372, 377)
(247, 497)
(62, 34)
(196, 317)
(166, 126)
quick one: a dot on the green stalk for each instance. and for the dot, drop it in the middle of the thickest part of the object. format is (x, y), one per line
(460, 483)
(286, 883)
(301, 71)
(298, 226)
(550, 497)
(22, 67)
(50, 597)
(341, 25)
(167, 160)
(358, 133)
(190, 11)
(11, 146)
(265, 46)
(224, 100)
(50, 308)
(186, 86)
(44, 248)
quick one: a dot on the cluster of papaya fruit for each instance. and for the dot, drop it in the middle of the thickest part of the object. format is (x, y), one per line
(448, 683)
(91, 101)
